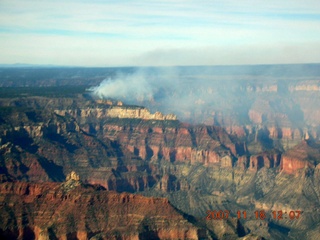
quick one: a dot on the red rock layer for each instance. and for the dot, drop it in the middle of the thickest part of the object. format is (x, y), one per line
(70, 210)
(301, 156)
(206, 145)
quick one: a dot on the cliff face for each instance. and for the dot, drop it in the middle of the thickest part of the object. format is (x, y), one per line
(196, 167)
(117, 112)
(302, 156)
(71, 210)
(181, 144)
(74, 139)
(307, 85)
(80, 141)
(46, 150)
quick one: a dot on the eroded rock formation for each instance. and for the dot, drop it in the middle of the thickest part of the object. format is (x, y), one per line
(265, 159)
(46, 211)
(118, 112)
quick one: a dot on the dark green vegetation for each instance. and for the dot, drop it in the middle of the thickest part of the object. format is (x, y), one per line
(35, 77)
(52, 91)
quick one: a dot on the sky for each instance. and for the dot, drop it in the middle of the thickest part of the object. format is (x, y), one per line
(105, 33)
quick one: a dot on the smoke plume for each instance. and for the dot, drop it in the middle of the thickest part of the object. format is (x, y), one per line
(213, 95)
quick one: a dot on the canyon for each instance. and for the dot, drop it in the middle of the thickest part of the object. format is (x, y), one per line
(73, 210)
(113, 170)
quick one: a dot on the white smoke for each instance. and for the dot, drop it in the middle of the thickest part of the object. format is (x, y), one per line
(144, 86)
(188, 94)
(201, 94)
(130, 88)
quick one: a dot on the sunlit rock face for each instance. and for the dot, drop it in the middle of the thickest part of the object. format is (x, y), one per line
(302, 156)
(85, 211)
(118, 112)
(247, 142)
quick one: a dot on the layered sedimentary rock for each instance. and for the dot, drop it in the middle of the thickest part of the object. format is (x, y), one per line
(118, 112)
(300, 157)
(265, 160)
(151, 138)
(179, 144)
(196, 167)
(307, 85)
(75, 211)
(42, 151)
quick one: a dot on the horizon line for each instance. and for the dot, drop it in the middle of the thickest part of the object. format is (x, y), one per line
(30, 65)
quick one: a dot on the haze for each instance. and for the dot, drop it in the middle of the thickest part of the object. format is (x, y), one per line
(200, 94)
(159, 33)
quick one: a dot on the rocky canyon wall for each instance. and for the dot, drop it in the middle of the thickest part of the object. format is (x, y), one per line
(72, 210)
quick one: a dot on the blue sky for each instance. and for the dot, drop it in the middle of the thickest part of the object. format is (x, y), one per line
(160, 33)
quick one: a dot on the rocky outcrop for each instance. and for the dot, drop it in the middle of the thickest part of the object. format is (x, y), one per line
(205, 145)
(49, 152)
(265, 160)
(197, 167)
(117, 112)
(293, 164)
(304, 155)
(46, 211)
(18, 164)
(307, 85)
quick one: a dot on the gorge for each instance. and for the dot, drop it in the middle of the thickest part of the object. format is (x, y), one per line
(141, 174)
